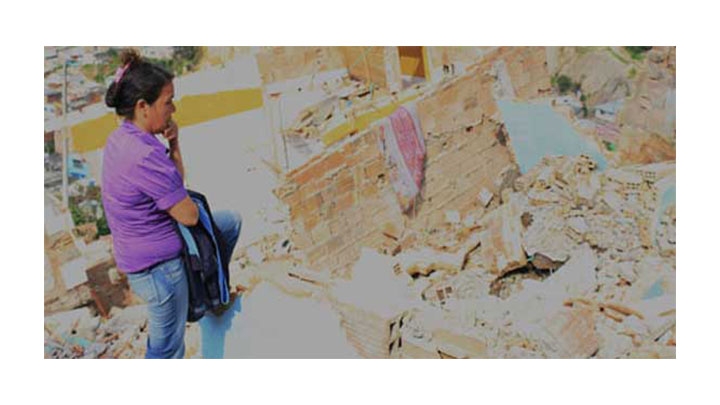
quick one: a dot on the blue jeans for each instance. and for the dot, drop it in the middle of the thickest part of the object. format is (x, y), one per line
(164, 287)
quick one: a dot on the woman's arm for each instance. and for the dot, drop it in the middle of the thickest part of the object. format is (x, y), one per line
(176, 157)
(185, 212)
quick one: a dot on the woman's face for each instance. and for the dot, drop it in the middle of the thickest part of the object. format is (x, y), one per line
(160, 112)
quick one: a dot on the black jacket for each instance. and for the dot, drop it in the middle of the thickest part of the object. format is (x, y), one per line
(206, 258)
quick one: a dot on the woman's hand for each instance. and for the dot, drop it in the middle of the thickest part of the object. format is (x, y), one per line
(171, 133)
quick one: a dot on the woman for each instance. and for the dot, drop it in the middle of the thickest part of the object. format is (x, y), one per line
(143, 195)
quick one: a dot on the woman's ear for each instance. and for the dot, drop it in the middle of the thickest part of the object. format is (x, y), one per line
(141, 107)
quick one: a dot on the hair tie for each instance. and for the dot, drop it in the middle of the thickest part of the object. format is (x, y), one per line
(120, 72)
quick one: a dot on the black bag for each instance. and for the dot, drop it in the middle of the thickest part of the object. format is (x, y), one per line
(206, 260)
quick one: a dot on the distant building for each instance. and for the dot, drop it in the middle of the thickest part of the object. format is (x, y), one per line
(51, 52)
(52, 95)
(626, 182)
(51, 65)
(656, 171)
(54, 81)
(612, 201)
(51, 111)
(77, 167)
(608, 111)
(569, 101)
(584, 164)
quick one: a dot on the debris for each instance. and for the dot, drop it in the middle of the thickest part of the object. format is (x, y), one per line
(612, 316)
(576, 277)
(390, 230)
(624, 310)
(485, 196)
(373, 335)
(423, 262)
(577, 228)
(457, 345)
(527, 219)
(304, 275)
(573, 333)
(452, 217)
(501, 247)
(418, 349)
(374, 285)
(437, 292)
(545, 235)
(254, 254)
(603, 307)
(542, 262)
(613, 343)
(78, 322)
(653, 351)
(469, 221)
(515, 280)
(658, 314)
(288, 277)
(373, 305)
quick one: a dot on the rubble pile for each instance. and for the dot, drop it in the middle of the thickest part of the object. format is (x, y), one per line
(373, 306)
(569, 266)
(80, 334)
(573, 263)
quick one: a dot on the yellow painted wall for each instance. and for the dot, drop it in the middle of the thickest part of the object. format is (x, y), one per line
(362, 122)
(92, 134)
(195, 109)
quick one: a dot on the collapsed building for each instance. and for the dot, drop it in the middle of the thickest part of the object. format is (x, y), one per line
(475, 220)
(408, 213)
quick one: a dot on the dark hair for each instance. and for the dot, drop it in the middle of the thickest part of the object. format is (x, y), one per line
(141, 80)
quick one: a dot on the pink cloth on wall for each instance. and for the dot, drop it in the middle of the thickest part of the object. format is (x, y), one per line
(404, 149)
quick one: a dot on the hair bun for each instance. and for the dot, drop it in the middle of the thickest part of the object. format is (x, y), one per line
(129, 57)
(111, 95)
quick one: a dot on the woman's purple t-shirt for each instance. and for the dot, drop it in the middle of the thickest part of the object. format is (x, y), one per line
(139, 184)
